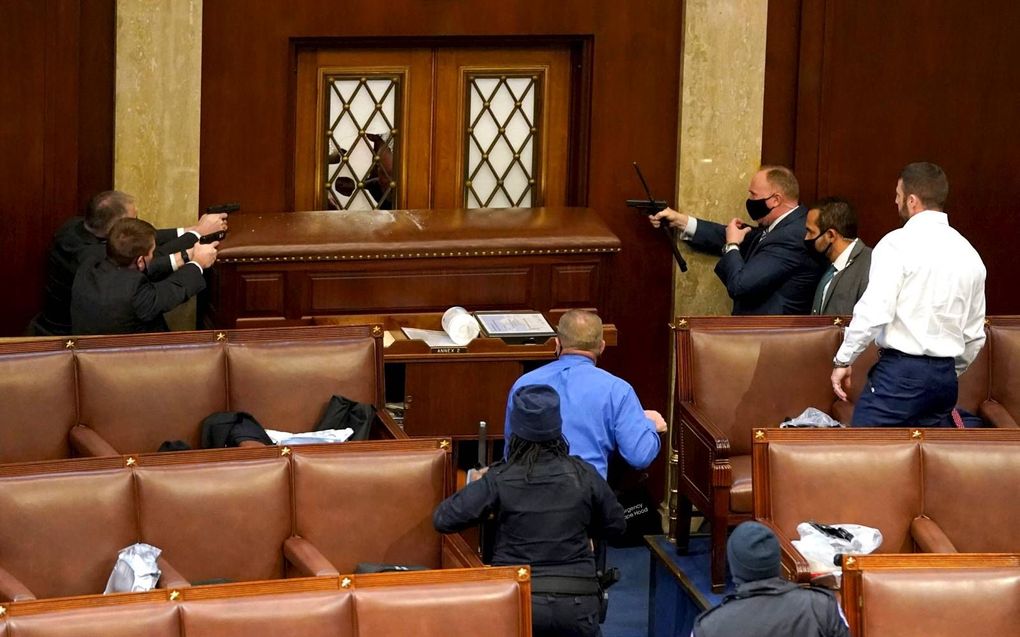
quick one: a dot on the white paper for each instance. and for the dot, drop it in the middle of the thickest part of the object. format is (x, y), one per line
(515, 323)
(309, 437)
(433, 338)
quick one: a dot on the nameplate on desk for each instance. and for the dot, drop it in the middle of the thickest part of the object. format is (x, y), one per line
(448, 350)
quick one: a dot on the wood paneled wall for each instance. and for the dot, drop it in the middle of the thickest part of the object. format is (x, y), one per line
(855, 90)
(247, 119)
(56, 133)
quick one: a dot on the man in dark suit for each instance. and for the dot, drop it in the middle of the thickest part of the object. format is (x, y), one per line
(766, 269)
(83, 239)
(115, 294)
(832, 239)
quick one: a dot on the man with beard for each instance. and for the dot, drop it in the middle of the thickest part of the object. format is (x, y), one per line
(924, 307)
(832, 240)
(766, 269)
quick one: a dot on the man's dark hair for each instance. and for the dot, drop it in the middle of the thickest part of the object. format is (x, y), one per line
(836, 214)
(129, 239)
(927, 182)
(104, 209)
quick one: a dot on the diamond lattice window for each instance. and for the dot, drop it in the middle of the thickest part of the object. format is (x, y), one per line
(362, 142)
(502, 134)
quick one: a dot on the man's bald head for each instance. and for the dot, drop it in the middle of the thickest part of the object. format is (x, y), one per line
(580, 330)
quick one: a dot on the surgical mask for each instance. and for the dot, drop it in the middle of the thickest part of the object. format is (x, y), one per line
(820, 257)
(758, 208)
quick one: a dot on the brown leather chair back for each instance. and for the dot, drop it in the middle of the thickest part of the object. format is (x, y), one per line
(137, 398)
(436, 610)
(60, 534)
(218, 520)
(962, 601)
(39, 406)
(370, 507)
(311, 614)
(875, 484)
(974, 383)
(743, 379)
(961, 479)
(1005, 366)
(286, 386)
(150, 620)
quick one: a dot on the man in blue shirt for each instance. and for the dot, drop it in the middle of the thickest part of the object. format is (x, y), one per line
(600, 411)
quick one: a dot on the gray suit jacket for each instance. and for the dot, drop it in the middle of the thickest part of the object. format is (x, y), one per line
(848, 284)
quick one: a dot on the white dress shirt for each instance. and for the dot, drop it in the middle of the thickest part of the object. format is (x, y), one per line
(925, 295)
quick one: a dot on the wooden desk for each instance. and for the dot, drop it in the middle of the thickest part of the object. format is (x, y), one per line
(447, 394)
(284, 268)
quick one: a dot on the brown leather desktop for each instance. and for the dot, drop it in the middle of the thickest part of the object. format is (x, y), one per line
(279, 268)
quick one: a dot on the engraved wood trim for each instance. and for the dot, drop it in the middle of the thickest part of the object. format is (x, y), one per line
(438, 576)
(37, 607)
(420, 254)
(71, 465)
(266, 587)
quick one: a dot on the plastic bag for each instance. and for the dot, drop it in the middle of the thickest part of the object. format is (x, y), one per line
(820, 548)
(135, 570)
(811, 417)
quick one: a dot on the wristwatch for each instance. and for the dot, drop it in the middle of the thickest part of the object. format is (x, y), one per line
(184, 257)
(730, 246)
(839, 364)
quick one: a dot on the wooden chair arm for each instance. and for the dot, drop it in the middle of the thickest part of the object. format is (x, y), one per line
(795, 566)
(386, 427)
(457, 553)
(705, 429)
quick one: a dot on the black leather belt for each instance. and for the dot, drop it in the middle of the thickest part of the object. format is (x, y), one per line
(564, 585)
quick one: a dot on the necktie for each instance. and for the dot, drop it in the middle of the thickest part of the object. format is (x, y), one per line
(816, 305)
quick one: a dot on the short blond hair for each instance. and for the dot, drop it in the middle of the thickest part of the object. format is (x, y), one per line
(783, 180)
(581, 330)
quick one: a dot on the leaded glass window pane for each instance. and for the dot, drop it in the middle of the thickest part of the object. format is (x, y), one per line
(362, 141)
(503, 112)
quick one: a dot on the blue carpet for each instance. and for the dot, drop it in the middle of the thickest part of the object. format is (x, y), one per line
(680, 586)
(628, 598)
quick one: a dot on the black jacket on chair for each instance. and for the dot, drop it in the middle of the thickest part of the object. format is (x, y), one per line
(107, 299)
(771, 273)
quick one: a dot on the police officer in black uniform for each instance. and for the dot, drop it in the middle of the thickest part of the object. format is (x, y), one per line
(763, 604)
(547, 506)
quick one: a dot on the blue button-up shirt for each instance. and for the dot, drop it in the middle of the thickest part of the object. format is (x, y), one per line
(600, 412)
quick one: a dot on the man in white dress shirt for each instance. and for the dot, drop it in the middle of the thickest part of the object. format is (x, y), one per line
(924, 307)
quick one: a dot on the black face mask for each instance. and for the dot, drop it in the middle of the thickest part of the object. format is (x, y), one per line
(758, 208)
(821, 257)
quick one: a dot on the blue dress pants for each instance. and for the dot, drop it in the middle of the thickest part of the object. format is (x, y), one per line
(904, 390)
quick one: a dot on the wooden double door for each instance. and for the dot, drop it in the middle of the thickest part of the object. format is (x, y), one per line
(428, 127)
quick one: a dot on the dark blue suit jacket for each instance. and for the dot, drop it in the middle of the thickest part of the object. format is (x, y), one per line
(770, 275)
